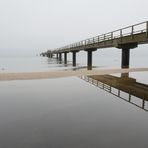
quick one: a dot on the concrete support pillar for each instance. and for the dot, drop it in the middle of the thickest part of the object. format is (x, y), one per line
(57, 56)
(48, 55)
(125, 58)
(60, 56)
(89, 58)
(51, 55)
(125, 61)
(65, 57)
(74, 58)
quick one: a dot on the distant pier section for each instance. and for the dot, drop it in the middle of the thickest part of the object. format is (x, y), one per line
(125, 39)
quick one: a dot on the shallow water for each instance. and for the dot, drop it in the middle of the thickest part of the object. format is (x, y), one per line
(107, 58)
(67, 113)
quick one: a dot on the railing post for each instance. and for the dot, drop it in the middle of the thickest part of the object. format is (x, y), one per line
(143, 103)
(93, 41)
(112, 36)
(132, 32)
(104, 39)
(85, 43)
(147, 29)
(98, 40)
(121, 35)
(118, 92)
(129, 95)
(103, 86)
(110, 89)
(97, 83)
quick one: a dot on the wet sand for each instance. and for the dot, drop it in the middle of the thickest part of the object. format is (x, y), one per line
(60, 74)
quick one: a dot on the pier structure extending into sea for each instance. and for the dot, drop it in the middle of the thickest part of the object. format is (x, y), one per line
(125, 39)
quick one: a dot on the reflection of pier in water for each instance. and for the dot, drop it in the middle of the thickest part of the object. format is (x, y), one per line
(121, 84)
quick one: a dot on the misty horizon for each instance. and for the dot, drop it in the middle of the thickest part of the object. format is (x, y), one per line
(33, 26)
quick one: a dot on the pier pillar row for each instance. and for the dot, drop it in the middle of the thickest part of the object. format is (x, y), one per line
(89, 58)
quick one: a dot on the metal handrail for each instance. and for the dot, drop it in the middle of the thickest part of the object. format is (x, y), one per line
(109, 36)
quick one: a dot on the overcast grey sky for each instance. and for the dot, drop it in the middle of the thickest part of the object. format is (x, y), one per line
(32, 26)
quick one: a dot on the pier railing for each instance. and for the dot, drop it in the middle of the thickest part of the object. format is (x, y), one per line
(120, 33)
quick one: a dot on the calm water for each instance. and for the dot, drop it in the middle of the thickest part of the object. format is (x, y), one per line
(108, 58)
(68, 112)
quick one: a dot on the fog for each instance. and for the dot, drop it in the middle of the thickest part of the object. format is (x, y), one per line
(28, 27)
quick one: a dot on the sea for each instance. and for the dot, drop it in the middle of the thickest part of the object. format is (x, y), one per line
(73, 112)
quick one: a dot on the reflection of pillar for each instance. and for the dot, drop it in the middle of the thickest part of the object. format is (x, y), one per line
(143, 103)
(65, 57)
(118, 92)
(129, 95)
(125, 75)
(60, 56)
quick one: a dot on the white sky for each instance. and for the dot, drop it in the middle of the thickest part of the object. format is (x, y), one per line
(32, 26)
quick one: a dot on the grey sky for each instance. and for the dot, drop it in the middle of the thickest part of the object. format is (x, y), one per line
(32, 26)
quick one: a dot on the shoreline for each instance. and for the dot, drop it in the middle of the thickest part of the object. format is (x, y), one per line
(61, 74)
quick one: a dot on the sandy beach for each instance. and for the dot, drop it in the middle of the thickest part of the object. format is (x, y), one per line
(60, 74)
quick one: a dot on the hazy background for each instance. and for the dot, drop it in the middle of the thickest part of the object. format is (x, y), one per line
(28, 27)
